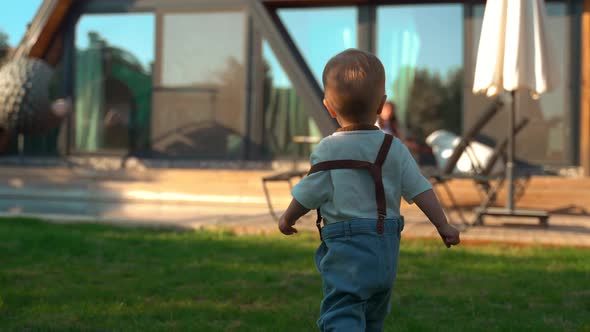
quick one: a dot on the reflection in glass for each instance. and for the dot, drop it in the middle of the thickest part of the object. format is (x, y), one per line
(114, 57)
(284, 115)
(197, 46)
(421, 47)
(547, 137)
(200, 100)
(321, 33)
(39, 144)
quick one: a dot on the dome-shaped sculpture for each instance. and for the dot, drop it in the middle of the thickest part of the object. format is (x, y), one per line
(24, 97)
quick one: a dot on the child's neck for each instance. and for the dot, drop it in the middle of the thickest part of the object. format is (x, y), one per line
(358, 126)
(344, 123)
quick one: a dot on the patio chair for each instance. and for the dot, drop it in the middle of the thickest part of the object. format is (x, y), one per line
(481, 172)
(523, 172)
(287, 176)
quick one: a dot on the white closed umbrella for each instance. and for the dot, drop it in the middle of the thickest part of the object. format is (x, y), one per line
(514, 55)
(513, 49)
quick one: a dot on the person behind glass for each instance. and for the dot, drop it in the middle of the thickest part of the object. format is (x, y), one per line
(357, 179)
(388, 123)
(387, 120)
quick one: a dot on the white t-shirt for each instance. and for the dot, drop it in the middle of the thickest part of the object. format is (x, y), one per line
(344, 194)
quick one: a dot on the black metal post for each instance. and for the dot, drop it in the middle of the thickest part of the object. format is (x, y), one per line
(367, 28)
(509, 210)
(511, 150)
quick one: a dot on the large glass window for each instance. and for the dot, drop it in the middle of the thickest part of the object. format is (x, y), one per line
(284, 118)
(199, 100)
(547, 138)
(114, 59)
(321, 33)
(182, 84)
(421, 47)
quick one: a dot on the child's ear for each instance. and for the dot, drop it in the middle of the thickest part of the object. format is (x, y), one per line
(383, 99)
(330, 109)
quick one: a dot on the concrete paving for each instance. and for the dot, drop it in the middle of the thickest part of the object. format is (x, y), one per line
(255, 219)
(225, 199)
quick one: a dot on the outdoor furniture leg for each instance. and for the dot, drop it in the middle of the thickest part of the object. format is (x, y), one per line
(279, 177)
(446, 210)
(490, 198)
(454, 204)
(268, 201)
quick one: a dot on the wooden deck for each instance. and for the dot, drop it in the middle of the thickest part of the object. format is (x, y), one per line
(555, 194)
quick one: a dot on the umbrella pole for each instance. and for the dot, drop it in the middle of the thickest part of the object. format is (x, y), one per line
(511, 149)
(509, 210)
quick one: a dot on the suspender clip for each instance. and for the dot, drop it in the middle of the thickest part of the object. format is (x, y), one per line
(318, 223)
(381, 223)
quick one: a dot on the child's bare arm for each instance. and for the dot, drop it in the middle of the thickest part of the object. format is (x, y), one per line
(288, 219)
(429, 204)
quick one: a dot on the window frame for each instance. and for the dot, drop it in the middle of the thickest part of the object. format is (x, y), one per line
(262, 15)
(71, 83)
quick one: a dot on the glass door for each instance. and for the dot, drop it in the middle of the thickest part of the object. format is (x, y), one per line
(200, 97)
(113, 74)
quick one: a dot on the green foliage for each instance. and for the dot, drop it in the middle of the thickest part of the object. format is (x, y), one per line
(99, 278)
(3, 45)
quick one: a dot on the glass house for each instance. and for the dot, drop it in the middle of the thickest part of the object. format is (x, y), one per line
(236, 80)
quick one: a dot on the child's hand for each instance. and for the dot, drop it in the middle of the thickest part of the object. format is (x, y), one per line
(285, 227)
(449, 234)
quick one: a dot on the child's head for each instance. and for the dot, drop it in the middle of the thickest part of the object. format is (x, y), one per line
(354, 85)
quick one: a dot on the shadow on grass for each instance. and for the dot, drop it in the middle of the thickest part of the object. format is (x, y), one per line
(94, 278)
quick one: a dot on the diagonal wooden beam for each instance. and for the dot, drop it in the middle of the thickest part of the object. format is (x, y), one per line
(294, 65)
(44, 29)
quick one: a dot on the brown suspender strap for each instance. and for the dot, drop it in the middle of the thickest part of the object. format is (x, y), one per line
(382, 155)
(376, 173)
(335, 164)
(338, 164)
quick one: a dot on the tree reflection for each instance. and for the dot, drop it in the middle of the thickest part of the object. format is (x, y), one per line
(434, 103)
(4, 47)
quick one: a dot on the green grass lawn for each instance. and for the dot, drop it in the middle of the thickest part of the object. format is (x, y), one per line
(97, 278)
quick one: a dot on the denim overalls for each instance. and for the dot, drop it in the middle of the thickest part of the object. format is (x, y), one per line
(358, 258)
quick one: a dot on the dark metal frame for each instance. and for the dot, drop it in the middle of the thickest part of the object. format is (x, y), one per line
(575, 11)
(367, 28)
(68, 63)
(274, 4)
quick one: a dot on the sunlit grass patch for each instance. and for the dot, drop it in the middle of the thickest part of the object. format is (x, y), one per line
(95, 278)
